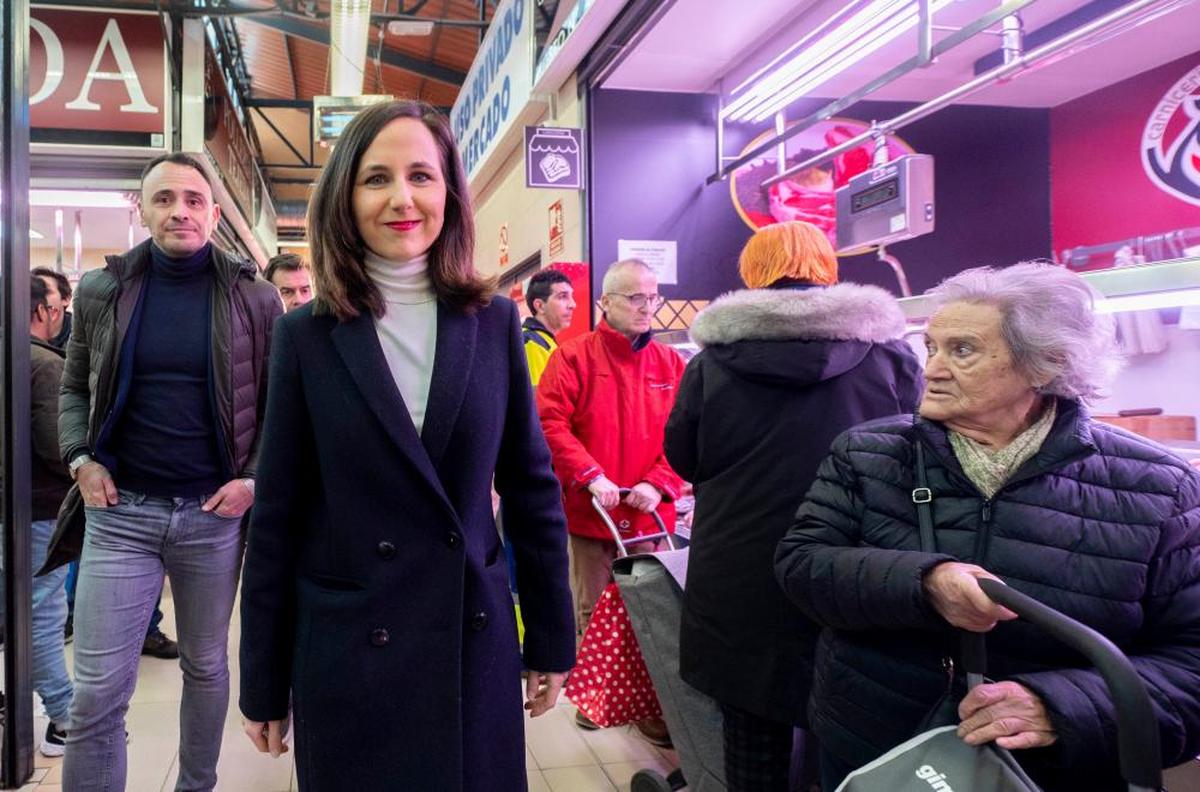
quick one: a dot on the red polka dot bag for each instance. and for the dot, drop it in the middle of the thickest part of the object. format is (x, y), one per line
(610, 683)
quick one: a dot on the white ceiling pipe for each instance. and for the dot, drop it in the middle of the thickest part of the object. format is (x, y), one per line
(350, 30)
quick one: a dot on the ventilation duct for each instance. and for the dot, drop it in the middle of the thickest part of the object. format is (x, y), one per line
(350, 31)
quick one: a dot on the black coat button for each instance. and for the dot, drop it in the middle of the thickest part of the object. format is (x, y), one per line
(453, 540)
(479, 621)
(380, 637)
(386, 549)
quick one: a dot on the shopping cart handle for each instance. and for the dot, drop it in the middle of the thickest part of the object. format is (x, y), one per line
(624, 542)
(1137, 729)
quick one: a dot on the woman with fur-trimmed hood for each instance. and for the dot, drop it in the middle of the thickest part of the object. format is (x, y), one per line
(786, 366)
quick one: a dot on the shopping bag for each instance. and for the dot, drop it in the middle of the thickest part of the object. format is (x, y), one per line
(610, 683)
(939, 761)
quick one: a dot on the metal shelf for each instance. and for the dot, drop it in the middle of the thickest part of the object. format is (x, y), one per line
(1162, 276)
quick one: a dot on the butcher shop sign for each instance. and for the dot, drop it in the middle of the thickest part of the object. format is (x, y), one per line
(1171, 140)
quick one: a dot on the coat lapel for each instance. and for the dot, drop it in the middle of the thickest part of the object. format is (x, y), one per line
(358, 345)
(455, 352)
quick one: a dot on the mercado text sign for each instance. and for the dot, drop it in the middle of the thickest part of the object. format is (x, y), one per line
(498, 85)
(97, 78)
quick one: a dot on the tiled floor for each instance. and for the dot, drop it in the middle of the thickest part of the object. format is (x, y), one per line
(560, 757)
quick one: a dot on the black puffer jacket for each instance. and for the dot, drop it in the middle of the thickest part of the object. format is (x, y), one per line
(244, 308)
(782, 373)
(1100, 524)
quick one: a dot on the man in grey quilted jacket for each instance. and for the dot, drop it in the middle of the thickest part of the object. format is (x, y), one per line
(162, 394)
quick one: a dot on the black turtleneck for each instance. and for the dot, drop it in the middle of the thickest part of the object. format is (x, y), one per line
(165, 441)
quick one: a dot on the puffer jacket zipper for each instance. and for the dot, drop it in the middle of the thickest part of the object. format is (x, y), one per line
(984, 534)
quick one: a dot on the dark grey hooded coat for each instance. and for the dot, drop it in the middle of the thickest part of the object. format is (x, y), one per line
(782, 373)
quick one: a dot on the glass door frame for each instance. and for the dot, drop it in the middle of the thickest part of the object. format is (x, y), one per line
(16, 748)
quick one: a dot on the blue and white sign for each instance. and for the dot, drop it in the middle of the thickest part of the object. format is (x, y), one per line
(497, 87)
(554, 158)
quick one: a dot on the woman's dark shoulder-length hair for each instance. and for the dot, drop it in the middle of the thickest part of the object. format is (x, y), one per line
(337, 249)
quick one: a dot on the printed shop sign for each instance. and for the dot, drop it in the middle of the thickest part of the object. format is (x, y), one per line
(97, 78)
(554, 158)
(1171, 140)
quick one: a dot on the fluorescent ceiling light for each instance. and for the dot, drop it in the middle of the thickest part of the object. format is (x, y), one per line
(823, 54)
(410, 27)
(35, 235)
(85, 199)
(349, 30)
(1144, 302)
(290, 244)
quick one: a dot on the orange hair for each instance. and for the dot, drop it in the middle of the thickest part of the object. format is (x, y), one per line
(788, 250)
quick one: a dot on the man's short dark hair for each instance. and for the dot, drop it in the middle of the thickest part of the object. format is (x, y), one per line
(38, 293)
(64, 285)
(541, 286)
(284, 261)
(177, 158)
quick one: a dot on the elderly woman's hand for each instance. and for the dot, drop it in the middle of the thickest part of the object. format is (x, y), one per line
(953, 590)
(1006, 712)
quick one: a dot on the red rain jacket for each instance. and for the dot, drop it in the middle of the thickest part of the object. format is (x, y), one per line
(604, 406)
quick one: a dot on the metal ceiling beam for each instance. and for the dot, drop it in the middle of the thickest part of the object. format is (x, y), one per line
(440, 21)
(294, 104)
(316, 32)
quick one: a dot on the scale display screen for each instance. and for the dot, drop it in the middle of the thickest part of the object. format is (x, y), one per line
(873, 196)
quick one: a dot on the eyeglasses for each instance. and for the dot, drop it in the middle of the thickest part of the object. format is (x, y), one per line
(641, 300)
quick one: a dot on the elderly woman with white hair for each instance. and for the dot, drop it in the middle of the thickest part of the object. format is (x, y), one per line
(1096, 522)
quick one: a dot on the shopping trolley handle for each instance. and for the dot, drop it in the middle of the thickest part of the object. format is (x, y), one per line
(1137, 729)
(625, 542)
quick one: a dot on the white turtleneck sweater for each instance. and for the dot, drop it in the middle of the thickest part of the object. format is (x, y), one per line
(408, 329)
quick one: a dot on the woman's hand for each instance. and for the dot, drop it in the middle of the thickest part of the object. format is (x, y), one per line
(953, 590)
(267, 737)
(1009, 713)
(541, 691)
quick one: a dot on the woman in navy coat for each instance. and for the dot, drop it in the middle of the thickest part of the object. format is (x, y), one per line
(375, 592)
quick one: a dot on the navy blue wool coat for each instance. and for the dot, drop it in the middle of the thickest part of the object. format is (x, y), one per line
(375, 591)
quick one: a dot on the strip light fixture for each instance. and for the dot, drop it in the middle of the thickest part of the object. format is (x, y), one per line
(1179, 298)
(88, 199)
(841, 41)
(350, 29)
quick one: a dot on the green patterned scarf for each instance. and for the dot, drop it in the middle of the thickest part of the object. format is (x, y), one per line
(989, 468)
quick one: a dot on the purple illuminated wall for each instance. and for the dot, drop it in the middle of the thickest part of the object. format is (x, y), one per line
(651, 154)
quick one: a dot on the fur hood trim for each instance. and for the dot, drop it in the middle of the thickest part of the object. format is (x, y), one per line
(843, 312)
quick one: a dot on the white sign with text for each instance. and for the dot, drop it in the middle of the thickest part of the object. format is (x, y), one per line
(659, 254)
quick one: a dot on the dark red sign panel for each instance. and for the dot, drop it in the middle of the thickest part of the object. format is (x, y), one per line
(97, 77)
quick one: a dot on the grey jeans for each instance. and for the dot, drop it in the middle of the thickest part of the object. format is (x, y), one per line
(126, 550)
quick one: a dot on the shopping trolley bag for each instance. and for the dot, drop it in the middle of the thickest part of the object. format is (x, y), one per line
(610, 683)
(939, 760)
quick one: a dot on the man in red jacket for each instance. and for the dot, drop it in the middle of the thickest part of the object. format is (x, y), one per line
(604, 399)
